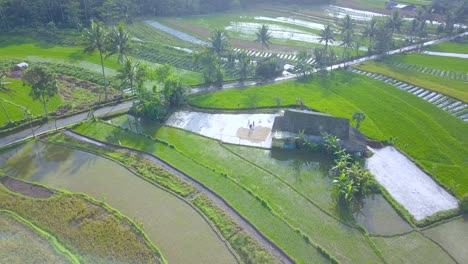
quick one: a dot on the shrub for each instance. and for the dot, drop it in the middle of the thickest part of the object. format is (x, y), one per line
(464, 204)
(268, 69)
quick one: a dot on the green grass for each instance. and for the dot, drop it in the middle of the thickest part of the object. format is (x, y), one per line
(274, 194)
(433, 62)
(91, 231)
(454, 47)
(17, 99)
(23, 242)
(243, 200)
(451, 87)
(411, 248)
(433, 138)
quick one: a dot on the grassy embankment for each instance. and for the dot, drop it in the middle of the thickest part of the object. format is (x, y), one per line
(451, 87)
(452, 46)
(249, 250)
(434, 139)
(91, 230)
(22, 242)
(288, 218)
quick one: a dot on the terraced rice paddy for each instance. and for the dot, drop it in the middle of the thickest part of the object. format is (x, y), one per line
(435, 139)
(268, 176)
(451, 105)
(453, 46)
(447, 86)
(179, 231)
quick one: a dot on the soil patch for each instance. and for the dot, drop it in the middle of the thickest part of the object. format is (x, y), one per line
(26, 188)
(15, 74)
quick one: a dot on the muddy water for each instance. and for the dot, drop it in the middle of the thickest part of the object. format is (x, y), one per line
(453, 236)
(179, 231)
(379, 218)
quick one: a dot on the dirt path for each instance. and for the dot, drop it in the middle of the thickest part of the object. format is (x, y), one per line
(244, 223)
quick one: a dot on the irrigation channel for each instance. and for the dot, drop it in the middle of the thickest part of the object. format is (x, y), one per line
(181, 233)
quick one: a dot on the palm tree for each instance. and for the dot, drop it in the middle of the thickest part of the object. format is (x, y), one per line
(394, 22)
(359, 116)
(219, 41)
(347, 24)
(347, 42)
(370, 32)
(96, 38)
(327, 36)
(412, 29)
(128, 75)
(263, 36)
(119, 42)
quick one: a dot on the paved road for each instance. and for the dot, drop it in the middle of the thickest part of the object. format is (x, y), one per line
(27, 133)
(61, 123)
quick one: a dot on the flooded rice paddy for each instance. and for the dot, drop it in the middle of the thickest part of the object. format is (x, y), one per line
(180, 232)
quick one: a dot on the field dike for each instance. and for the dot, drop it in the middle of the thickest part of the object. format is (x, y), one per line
(242, 244)
(79, 222)
(295, 226)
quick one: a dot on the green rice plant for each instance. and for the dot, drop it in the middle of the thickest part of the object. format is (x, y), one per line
(93, 232)
(22, 242)
(452, 46)
(454, 88)
(432, 62)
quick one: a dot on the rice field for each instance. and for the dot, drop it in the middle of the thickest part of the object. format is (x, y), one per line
(440, 150)
(24, 243)
(84, 227)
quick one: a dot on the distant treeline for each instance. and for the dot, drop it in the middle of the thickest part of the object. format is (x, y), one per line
(78, 13)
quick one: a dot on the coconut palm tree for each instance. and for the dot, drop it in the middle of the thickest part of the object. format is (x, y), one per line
(327, 36)
(219, 41)
(96, 38)
(394, 22)
(119, 42)
(347, 42)
(263, 36)
(127, 74)
(347, 24)
(371, 31)
(359, 116)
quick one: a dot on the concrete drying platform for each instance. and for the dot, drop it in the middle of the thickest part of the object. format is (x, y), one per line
(229, 128)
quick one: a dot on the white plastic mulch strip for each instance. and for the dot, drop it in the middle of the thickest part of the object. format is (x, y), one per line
(408, 184)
